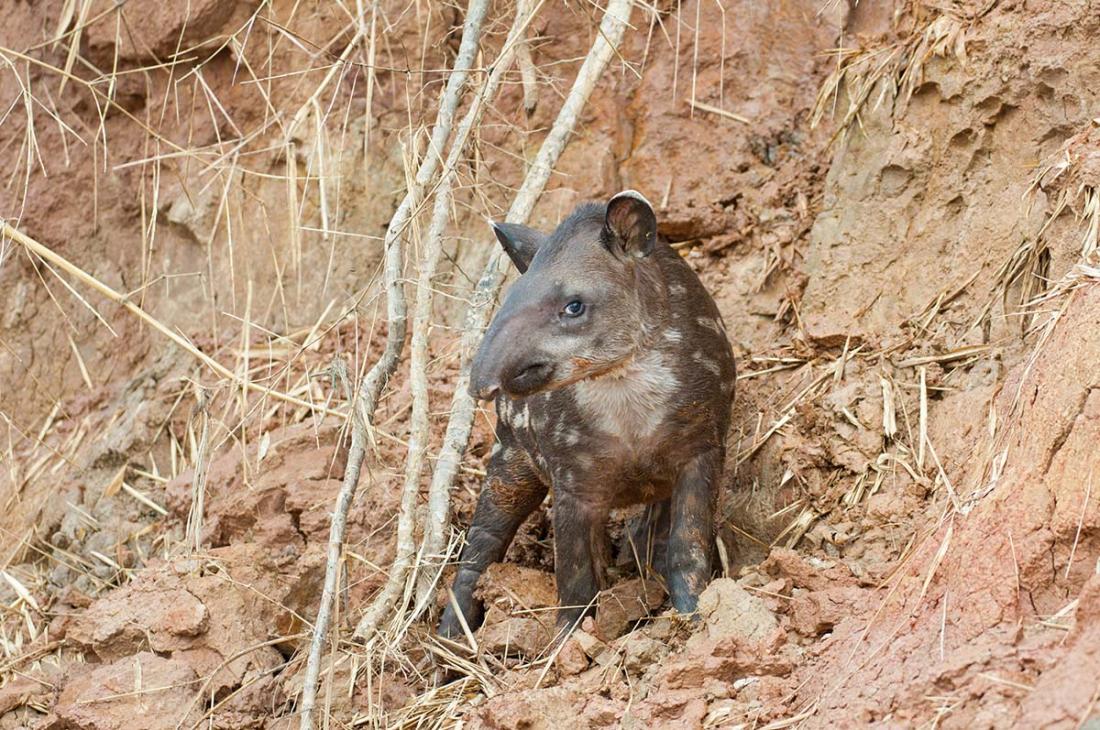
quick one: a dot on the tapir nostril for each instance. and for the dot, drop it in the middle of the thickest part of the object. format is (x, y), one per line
(484, 391)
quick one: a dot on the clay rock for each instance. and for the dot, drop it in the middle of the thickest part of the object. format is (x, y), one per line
(22, 691)
(730, 612)
(160, 26)
(640, 652)
(148, 615)
(515, 636)
(142, 692)
(548, 709)
(193, 211)
(293, 484)
(786, 563)
(709, 661)
(571, 659)
(507, 589)
(816, 612)
(518, 586)
(669, 709)
(593, 648)
(626, 603)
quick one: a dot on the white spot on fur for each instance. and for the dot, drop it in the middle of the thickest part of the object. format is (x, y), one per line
(673, 336)
(706, 362)
(520, 417)
(710, 324)
(630, 402)
(496, 449)
(677, 290)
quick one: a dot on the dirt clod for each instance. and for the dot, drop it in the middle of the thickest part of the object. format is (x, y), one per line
(730, 612)
(142, 691)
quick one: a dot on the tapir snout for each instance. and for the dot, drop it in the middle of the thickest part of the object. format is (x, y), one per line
(510, 358)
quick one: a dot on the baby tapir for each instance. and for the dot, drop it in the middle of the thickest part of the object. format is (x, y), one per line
(613, 381)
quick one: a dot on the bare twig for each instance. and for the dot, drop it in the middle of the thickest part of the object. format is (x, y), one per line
(375, 381)
(438, 517)
(356, 454)
(380, 373)
(611, 33)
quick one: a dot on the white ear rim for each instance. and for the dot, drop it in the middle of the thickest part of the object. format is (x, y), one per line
(632, 194)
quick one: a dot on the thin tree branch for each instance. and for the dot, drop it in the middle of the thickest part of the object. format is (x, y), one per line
(379, 374)
(462, 405)
(438, 516)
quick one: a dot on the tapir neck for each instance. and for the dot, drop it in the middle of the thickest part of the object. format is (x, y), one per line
(653, 304)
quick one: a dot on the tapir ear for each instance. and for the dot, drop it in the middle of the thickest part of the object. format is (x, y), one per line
(519, 242)
(630, 225)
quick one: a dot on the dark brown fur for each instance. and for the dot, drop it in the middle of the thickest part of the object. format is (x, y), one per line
(630, 406)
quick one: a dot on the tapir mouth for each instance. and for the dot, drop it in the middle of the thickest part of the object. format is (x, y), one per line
(532, 378)
(579, 369)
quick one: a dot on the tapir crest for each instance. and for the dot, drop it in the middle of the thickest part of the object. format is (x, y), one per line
(613, 381)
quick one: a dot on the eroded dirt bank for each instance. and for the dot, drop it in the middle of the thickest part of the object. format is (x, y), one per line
(902, 238)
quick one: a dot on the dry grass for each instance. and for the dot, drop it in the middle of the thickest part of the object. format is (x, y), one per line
(296, 170)
(889, 74)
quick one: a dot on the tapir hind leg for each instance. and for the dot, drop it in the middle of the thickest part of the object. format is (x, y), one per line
(647, 543)
(691, 533)
(512, 491)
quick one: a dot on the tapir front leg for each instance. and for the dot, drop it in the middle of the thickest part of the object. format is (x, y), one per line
(512, 491)
(580, 555)
(691, 533)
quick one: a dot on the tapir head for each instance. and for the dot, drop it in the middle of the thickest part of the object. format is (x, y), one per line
(587, 299)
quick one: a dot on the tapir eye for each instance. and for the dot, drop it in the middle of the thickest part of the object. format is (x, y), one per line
(575, 308)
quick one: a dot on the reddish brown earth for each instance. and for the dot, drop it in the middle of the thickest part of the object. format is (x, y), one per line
(897, 554)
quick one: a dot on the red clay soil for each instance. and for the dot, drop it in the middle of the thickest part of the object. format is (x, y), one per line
(902, 241)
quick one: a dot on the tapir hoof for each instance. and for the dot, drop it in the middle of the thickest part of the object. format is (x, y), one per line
(450, 626)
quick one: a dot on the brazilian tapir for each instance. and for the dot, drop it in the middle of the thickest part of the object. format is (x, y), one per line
(613, 380)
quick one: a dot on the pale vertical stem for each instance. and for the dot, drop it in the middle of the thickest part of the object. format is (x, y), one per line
(462, 405)
(375, 381)
(434, 532)
(335, 547)
(396, 313)
(438, 515)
